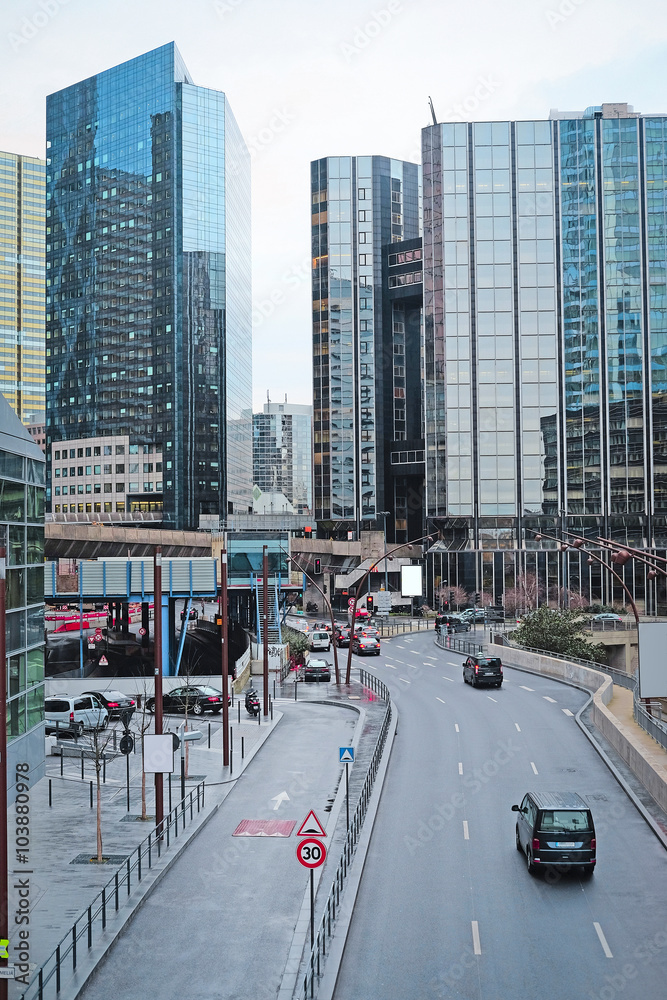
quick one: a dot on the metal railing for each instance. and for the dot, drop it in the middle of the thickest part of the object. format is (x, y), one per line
(48, 978)
(332, 905)
(389, 629)
(459, 645)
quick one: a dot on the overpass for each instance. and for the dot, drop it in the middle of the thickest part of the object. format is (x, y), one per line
(69, 540)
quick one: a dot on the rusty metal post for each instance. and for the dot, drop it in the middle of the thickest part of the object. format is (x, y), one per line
(157, 660)
(265, 616)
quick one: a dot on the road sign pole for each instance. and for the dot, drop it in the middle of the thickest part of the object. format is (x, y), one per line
(157, 691)
(127, 769)
(312, 908)
(347, 794)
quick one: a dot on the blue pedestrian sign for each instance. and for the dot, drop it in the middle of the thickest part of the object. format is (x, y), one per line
(346, 755)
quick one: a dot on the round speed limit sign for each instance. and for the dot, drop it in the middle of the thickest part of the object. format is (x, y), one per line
(311, 853)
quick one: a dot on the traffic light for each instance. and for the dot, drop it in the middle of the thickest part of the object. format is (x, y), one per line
(451, 596)
(445, 605)
(318, 566)
(477, 599)
(369, 602)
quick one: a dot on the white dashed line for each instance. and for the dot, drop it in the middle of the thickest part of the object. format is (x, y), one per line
(525, 688)
(535, 771)
(466, 833)
(568, 712)
(404, 680)
(460, 768)
(603, 941)
(398, 646)
(547, 698)
(440, 700)
(492, 699)
(429, 664)
(391, 666)
(518, 727)
(456, 728)
(476, 946)
(450, 679)
(414, 652)
(429, 657)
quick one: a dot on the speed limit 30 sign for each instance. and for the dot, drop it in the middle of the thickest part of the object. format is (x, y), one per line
(311, 853)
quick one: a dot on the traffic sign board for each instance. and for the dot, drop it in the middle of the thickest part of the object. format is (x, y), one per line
(98, 637)
(311, 827)
(311, 853)
(103, 662)
(98, 631)
(142, 631)
(350, 602)
(346, 755)
(126, 744)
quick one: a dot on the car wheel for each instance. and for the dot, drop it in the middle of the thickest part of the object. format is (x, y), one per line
(79, 729)
(529, 861)
(197, 708)
(150, 706)
(104, 723)
(517, 838)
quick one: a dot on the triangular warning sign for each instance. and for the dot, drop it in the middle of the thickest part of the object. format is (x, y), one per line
(311, 827)
(346, 757)
(103, 662)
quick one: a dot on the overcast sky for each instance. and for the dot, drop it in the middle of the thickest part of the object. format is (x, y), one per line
(308, 78)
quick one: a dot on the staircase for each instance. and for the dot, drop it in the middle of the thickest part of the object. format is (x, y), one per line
(273, 623)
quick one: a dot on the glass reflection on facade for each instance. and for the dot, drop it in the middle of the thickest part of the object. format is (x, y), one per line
(283, 453)
(359, 203)
(148, 278)
(545, 250)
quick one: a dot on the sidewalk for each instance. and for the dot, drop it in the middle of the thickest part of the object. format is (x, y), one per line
(62, 880)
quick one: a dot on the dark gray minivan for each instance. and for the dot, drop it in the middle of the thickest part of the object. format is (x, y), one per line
(555, 828)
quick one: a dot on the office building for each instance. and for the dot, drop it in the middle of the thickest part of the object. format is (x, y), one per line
(22, 528)
(22, 214)
(283, 453)
(545, 294)
(359, 204)
(148, 323)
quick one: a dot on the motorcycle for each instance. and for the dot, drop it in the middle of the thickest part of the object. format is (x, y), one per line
(252, 704)
(312, 607)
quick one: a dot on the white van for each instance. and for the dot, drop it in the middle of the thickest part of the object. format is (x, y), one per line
(320, 640)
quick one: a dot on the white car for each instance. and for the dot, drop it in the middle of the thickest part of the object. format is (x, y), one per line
(320, 640)
(70, 716)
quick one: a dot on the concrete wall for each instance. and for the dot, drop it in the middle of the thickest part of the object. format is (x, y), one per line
(650, 768)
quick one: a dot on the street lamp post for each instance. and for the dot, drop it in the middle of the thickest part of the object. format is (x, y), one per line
(384, 514)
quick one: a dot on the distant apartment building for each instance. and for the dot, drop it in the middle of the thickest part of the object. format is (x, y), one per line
(359, 204)
(148, 320)
(283, 453)
(106, 475)
(545, 317)
(22, 218)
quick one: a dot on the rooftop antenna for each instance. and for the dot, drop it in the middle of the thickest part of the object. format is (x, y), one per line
(268, 396)
(435, 120)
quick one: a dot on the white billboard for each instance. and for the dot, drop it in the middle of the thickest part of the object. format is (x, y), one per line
(411, 581)
(653, 660)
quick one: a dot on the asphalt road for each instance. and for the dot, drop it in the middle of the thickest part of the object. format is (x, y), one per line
(446, 906)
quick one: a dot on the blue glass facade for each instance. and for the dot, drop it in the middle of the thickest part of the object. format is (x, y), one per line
(148, 279)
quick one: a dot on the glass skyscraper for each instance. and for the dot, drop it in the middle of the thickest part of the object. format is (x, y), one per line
(283, 453)
(545, 294)
(148, 323)
(22, 208)
(359, 204)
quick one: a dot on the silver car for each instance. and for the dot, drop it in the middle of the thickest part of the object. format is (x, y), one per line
(70, 716)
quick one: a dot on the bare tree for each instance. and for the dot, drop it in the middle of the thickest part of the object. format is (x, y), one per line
(101, 739)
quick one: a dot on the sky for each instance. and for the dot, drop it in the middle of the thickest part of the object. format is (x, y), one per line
(307, 79)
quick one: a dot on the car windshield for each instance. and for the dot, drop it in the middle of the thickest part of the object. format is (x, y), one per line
(205, 690)
(564, 820)
(491, 661)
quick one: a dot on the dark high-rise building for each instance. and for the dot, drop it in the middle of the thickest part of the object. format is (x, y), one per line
(359, 204)
(545, 294)
(148, 324)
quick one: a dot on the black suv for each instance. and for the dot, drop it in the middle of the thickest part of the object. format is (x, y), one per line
(555, 828)
(479, 670)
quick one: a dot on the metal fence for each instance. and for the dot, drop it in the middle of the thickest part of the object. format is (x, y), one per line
(46, 982)
(332, 904)
(388, 629)
(467, 646)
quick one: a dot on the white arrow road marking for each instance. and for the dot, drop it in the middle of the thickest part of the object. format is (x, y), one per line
(518, 727)
(466, 833)
(603, 941)
(547, 698)
(523, 686)
(568, 712)
(535, 771)
(278, 799)
(476, 946)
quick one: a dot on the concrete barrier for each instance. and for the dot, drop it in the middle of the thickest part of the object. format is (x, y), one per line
(649, 767)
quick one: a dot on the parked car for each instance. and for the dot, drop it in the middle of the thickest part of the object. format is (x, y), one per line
(365, 645)
(342, 636)
(473, 614)
(115, 702)
(556, 828)
(479, 670)
(322, 627)
(607, 616)
(320, 640)
(317, 670)
(457, 625)
(198, 699)
(65, 714)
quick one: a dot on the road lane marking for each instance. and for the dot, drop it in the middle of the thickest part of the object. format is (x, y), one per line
(525, 688)
(476, 946)
(518, 727)
(535, 771)
(414, 652)
(460, 768)
(429, 664)
(466, 833)
(492, 699)
(404, 680)
(568, 712)
(391, 666)
(440, 699)
(603, 941)
(429, 657)
(456, 728)
(398, 646)
(373, 666)
(450, 679)
(547, 698)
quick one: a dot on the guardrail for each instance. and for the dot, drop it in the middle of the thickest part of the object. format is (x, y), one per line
(332, 904)
(459, 645)
(47, 980)
(388, 629)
